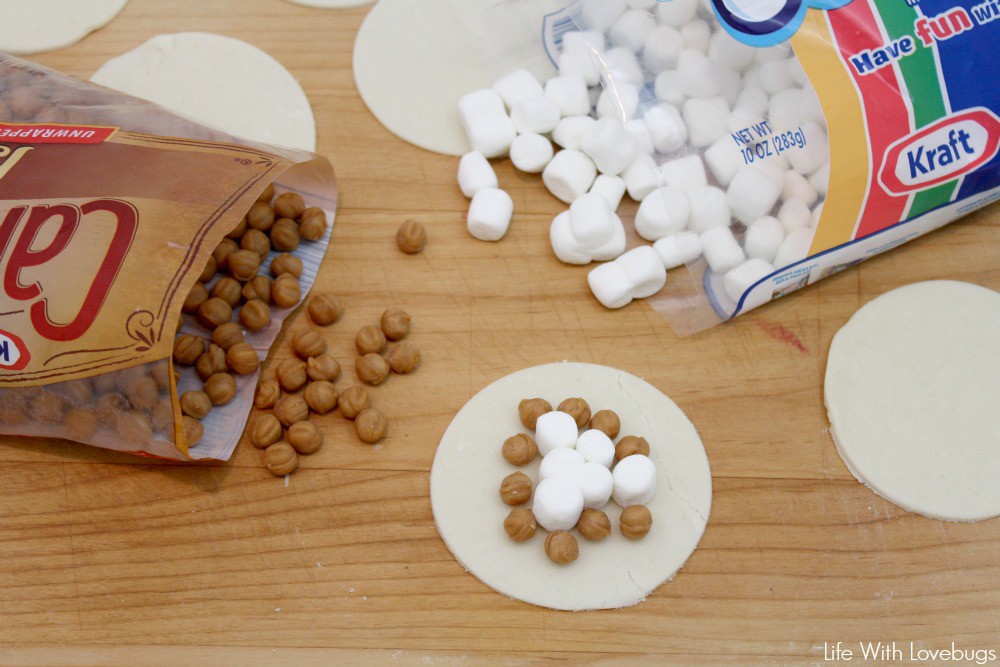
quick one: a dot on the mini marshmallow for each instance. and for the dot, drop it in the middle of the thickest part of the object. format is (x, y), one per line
(676, 12)
(666, 127)
(752, 194)
(585, 41)
(634, 481)
(797, 187)
(732, 85)
(580, 63)
(794, 248)
(726, 49)
(591, 220)
(678, 249)
(610, 285)
(784, 110)
(475, 173)
(564, 246)
(662, 47)
(753, 99)
(489, 214)
(642, 177)
(570, 131)
(724, 160)
(621, 67)
(644, 271)
(557, 503)
(696, 35)
(667, 88)
(763, 238)
(570, 94)
(530, 153)
(775, 75)
(596, 447)
(820, 179)
(619, 102)
(631, 29)
(516, 86)
(610, 146)
(601, 14)
(640, 134)
(484, 102)
(742, 118)
(707, 120)
(793, 215)
(709, 208)
(773, 168)
(595, 483)
(560, 462)
(687, 173)
(569, 174)
(721, 250)
(814, 154)
(614, 247)
(535, 114)
(743, 277)
(698, 76)
(663, 212)
(491, 135)
(612, 188)
(555, 429)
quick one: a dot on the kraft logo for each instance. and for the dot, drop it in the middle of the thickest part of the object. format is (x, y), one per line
(13, 353)
(941, 152)
(766, 22)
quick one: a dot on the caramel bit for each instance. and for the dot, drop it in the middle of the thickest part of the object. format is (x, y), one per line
(630, 445)
(197, 296)
(212, 362)
(260, 216)
(289, 205)
(222, 251)
(324, 309)
(561, 548)
(403, 357)
(221, 388)
(321, 396)
(371, 368)
(256, 241)
(576, 408)
(291, 374)
(242, 359)
(193, 430)
(259, 288)
(255, 315)
(322, 367)
(214, 312)
(291, 409)
(308, 343)
(353, 401)
(281, 459)
(238, 230)
(209, 271)
(312, 224)
(187, 349)
(286, 291)
(515, 489)
(607, 422)
(635, 522)
(228, 289)
(369, 340)
(286, 263)
(304, 437)
(395, 323)
(228, 334)
(594, 525)
(195, 404)
(266, 431)
(519, 449)
(243, 264)
(285, 235)
(530, 409)
(268, 394)
(82, 423)
(411, 237)
(370, 426)
(520, 524)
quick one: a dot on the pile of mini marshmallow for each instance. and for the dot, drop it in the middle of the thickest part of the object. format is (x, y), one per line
(576, 473)
(644, 103)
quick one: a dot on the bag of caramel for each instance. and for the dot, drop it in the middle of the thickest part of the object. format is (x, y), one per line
(145, 261)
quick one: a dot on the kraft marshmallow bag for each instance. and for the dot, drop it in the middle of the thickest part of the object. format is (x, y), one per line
(772, 143)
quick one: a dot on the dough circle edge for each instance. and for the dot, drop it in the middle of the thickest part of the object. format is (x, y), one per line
(468, 468)
(922, 477)
(37, 30)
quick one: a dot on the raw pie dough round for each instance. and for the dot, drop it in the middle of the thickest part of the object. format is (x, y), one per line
(613, 573)
(218, 81)
(33, 26)
(912, 390)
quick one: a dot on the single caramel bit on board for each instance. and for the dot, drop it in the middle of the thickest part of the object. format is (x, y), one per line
(370, 340)
(411, 237)
(281, 459)
(370, 425)
(308, 343)
(395, 323)
(324, 309)
(403, 357)
(353, 401)
(304, 437)
(268, 394)
(322, 367)
(321, 396)
(291, 374)
(291, 409)
(371, 368)
(266, 431)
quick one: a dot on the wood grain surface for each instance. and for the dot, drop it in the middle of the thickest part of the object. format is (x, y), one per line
(111, 559)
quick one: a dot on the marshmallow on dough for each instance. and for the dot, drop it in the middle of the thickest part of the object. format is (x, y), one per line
(634, 481)
(555, 429)
(33, 26)
(595, 483)
(560, 462)
(218, 81)
(596, 447)
(557, 504)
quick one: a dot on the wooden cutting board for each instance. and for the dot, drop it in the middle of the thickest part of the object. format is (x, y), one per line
(111, 559)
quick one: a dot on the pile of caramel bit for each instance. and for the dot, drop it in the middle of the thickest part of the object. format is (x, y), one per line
(561, 546)
(305, 384)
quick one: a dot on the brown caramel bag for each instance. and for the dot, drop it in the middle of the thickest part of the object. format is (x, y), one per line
(110, 209)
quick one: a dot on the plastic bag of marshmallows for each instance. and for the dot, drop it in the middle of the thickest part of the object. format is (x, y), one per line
(768, 143)
(142, 257)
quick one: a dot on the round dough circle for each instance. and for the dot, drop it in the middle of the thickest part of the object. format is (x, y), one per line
(912, 383)
(33, 26)
(614, 573)
(218, 81)
(331, 4)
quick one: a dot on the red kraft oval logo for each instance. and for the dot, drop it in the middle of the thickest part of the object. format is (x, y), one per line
(13, 353)
(941, 152)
